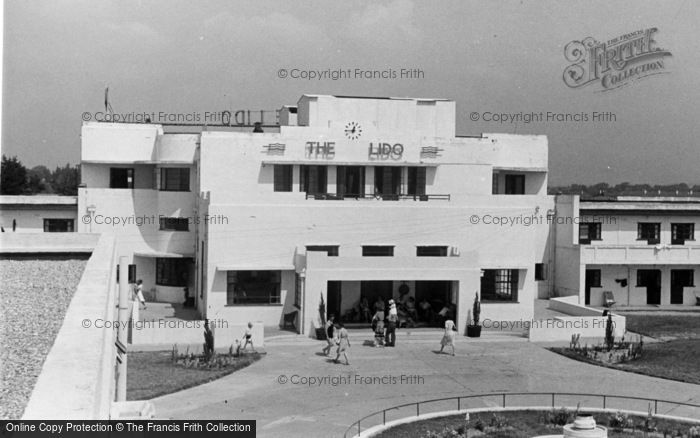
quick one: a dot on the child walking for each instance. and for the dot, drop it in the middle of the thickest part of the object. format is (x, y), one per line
(248, 337)
(378, 325)
(448, 339)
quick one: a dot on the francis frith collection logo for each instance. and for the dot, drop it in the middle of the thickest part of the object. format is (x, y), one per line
(614, 63)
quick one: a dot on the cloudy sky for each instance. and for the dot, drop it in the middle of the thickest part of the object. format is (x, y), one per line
(489, 56)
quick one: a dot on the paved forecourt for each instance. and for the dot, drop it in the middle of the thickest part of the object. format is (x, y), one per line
(296, 391)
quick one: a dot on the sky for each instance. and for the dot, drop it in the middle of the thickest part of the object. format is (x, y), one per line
(497, 56)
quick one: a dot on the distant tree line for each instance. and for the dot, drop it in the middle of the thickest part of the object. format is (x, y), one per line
(15, 179)
(604, 190)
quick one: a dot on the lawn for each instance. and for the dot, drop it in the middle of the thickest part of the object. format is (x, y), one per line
(152, 374)
(521, 424)
(683, 325)
(675, 358)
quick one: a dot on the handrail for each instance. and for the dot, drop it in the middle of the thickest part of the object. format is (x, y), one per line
(386, 197)
(358, 424)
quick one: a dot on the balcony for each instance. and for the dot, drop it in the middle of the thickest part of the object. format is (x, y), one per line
(640, 254)
(392, 197)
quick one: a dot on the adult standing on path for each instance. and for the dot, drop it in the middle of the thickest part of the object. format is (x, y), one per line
(343, 343)
(139, 292)
(391, 323)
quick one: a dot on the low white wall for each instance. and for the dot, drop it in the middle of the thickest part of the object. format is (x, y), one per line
(586, 321)
(571, 306)
(77, 379)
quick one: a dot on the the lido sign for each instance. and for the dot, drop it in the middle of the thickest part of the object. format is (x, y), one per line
(377, 151)
(385, 151)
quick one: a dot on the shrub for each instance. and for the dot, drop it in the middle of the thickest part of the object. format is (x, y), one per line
(558, 417)
(620, 421)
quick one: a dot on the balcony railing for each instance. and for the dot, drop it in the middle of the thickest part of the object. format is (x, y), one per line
(660, 253)
(523, 400)
(387, 197)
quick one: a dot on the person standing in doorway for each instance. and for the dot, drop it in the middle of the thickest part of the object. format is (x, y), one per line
(139, 292)
(343, 344)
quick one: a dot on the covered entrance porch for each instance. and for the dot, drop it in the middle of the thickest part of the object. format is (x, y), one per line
(419, 302)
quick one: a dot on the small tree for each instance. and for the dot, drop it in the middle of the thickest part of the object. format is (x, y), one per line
(208, 341)
(476, 312)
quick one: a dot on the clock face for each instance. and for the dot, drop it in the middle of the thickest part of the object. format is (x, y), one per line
(353, 130)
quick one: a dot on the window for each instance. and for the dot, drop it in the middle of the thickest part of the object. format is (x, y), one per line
(387, 182)
(350, 181)
(416, 181)
(132, 274)
(499, 285)
(174, 224)
(330, 250)
(172, 272)
(682, 232)
(313, 179)
(283, 177)
(494, 184)
(515, 184)
(121, 178)
(649, 231)
(253, 287)
(58, 225)
(540, 271)
(377, 251)
(431, 251)
(593, 278)
(175, 179)
(589, 231)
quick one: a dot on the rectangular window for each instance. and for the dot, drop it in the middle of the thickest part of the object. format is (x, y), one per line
(499, 285)
(431, 251)
(594, 278)
(121, 178)
(649, 231)
(175, 179)
(313, 179)
(350, 181)
(330, 250)
(494, 184)
(540, 271)
(174, 224)
(172, 272)
(387, 182)
(253, 287)
(589, 231)
(515, 184)
(132, 274)
(58, 225)
(416, 181)
(283, 177)
(377, 251)
(682, 232)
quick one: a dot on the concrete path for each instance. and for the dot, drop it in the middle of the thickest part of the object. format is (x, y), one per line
(494, 363)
